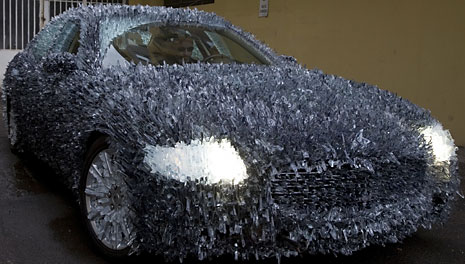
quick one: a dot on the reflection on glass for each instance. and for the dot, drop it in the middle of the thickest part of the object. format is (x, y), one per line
(152, 44)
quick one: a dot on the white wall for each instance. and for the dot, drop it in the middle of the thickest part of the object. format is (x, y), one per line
(5, 58)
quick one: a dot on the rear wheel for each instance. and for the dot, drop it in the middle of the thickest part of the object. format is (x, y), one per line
(11, 123)
(104, 201)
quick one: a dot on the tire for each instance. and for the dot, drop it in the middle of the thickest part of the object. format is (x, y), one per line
(11, 127)
(98, 202)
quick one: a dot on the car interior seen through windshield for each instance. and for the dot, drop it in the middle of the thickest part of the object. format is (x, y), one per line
(152, 44)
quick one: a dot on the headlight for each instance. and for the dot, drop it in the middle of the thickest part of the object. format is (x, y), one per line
(212, 160)
(441, 142)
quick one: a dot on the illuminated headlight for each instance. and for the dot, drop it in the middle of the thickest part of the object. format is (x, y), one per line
(214, 161)
(441, 142)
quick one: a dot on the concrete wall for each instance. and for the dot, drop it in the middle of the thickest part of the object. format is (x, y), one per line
(5, 57)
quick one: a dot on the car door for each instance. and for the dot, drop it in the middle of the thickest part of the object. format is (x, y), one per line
(23, 89)
(56, 67)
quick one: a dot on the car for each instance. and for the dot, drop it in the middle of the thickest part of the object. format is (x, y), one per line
(182, 135)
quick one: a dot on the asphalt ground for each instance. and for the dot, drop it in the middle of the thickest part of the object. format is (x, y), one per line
(39, 223)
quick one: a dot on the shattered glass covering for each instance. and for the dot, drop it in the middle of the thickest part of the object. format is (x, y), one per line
(332, 165)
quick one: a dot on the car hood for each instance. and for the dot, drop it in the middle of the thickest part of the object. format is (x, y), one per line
(272, 115)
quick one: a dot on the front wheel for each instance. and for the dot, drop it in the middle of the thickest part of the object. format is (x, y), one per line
(104, 201)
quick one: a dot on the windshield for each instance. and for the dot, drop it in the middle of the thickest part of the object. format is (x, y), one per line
(153, 44)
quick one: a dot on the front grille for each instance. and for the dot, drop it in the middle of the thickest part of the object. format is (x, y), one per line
(345, 186)
(330, 188)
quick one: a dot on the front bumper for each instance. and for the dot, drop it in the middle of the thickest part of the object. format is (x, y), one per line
(336, 210)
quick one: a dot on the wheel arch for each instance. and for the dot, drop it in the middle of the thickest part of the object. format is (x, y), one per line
(94, 135)
(87, 142)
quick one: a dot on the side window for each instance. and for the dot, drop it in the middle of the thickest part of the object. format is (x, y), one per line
(68, 39)
(45, 39)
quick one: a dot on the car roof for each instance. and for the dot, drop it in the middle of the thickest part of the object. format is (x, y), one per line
(95, 19)
(96, 13)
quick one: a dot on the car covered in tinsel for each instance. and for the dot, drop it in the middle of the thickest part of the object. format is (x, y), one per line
(182, 135)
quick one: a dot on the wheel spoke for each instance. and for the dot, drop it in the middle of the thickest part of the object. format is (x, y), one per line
(95, 172)
(104, 201)
(106, 210)
(100, 192)
(106, 230)
(94, 214)
(107, 162)
(116, 235)
(124, 229)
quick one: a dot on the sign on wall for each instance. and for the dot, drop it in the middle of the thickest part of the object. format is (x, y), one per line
(263, 10)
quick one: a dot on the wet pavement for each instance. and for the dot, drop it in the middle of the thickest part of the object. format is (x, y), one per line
(39, 223)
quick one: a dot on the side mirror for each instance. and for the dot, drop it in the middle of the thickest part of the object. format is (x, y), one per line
(61, 63)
